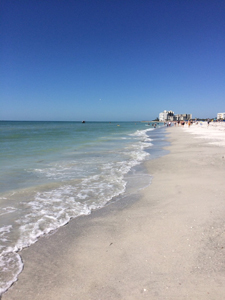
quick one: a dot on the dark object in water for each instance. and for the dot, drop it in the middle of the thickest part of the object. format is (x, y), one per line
(83, 121)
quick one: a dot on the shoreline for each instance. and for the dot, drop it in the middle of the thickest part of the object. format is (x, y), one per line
(66, 175)
(168, 244)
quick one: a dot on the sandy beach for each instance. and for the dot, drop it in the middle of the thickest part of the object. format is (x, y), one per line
(168, 242)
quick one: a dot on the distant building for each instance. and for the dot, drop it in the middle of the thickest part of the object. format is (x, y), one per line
(169, 116)
(221, 116)
(165, 115)
(183, 117)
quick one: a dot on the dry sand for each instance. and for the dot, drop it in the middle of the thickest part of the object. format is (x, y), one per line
(169, 244)
(214, 133)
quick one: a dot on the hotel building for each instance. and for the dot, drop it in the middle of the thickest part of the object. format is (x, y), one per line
(169, 116)
(221, 116)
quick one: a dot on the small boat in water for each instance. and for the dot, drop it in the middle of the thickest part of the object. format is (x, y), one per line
(83, 121)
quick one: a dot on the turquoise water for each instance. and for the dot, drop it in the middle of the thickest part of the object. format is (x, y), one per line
(54, 171)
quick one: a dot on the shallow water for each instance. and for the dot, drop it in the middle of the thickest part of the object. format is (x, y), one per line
(54, 171)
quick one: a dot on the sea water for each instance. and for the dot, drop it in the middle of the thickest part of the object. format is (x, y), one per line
(54, 171)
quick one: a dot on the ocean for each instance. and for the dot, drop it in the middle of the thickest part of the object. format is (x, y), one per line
(54, 171)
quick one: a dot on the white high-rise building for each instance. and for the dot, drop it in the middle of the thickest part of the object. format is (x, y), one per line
(221, 116)
(168, 115)
(164, 116)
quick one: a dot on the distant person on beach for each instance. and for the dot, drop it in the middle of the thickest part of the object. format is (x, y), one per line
(189, 123)
(208, 122)
(178, 122)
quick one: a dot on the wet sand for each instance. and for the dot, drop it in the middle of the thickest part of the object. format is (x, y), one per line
(168, 242)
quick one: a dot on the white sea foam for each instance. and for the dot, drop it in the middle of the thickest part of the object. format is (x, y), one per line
(7, 210)
(11, 265)
(142, 132)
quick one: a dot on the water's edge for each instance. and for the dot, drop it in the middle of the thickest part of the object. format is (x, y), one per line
(131, 195)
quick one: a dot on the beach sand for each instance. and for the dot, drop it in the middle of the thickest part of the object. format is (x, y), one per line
(166, 243)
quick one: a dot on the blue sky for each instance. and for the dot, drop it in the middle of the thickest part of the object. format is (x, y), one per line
(105, 60)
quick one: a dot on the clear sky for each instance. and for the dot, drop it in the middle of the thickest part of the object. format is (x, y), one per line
(106, 60)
